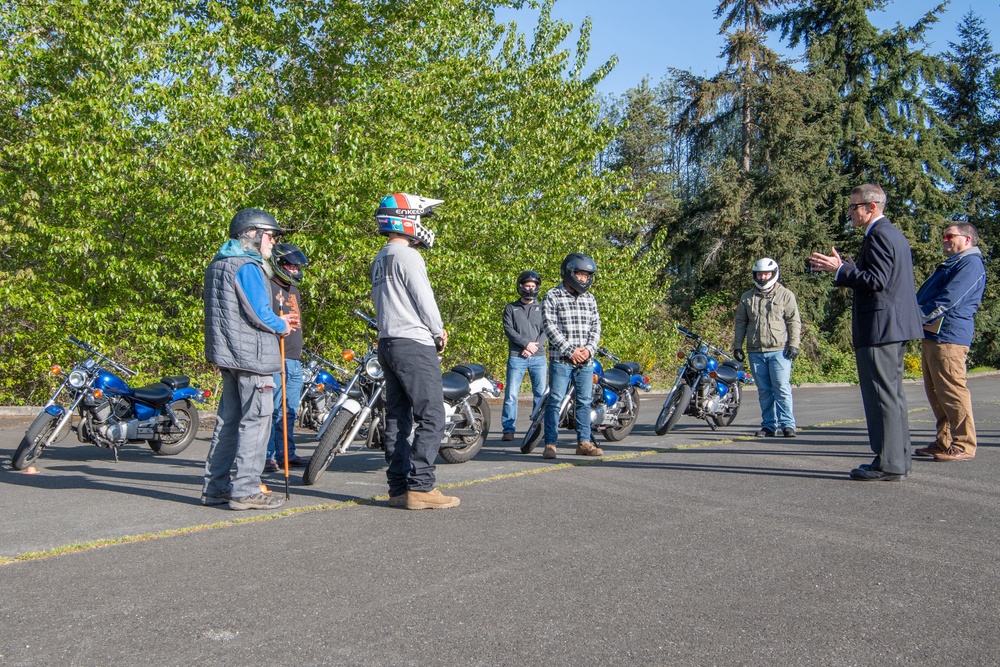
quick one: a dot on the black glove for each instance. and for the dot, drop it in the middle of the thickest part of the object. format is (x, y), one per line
(791, 353)
(739, 356)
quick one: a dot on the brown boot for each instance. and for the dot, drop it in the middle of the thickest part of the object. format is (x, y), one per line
(550, 452)
(398, 501)
(429, 500)
(954, 454)
(588, 449)
(930, 450)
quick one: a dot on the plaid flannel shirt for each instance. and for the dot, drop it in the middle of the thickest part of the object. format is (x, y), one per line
(570, 321)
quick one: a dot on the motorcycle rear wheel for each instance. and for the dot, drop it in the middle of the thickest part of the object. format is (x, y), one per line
(730, 416)
(327, 448)
(33, 441)
(672, 410)
(169, 444)
(481, 411)
(619, 433)
(534, 434)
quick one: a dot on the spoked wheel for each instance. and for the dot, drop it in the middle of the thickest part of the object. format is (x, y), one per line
(673, 408)
(732, 408)
(33, 441)
(168, 444)
(328, 446)
(471, 444)
(627, 421)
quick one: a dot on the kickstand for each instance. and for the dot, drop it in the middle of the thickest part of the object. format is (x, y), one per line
(115, 450)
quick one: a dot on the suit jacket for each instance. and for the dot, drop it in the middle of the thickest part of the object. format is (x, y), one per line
(885, 302)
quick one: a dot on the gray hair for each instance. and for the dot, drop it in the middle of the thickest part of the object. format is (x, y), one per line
(871, 194)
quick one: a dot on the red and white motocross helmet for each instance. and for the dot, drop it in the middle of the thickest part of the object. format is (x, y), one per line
(401, 213)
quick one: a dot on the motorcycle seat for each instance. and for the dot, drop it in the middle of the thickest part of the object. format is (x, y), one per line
(176, 382)
(455, 386)
(616, 378)
(726, 373)
(630, 367)
(472, 372)
(732, 363)
(155, 394)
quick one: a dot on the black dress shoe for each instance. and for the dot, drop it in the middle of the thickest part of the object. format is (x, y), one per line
(876, 464)
(867, 474)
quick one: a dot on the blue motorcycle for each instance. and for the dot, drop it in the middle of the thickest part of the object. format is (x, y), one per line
(111, 413)
(613, 409)
(705, 389)
(320, 391)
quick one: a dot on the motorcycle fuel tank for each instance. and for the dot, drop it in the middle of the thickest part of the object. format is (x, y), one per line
(112, 385)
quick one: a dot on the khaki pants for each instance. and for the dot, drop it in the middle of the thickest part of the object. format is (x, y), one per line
(944, 383)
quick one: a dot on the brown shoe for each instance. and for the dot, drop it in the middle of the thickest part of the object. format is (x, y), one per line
(507, 437)
(550, 452)
(429, 500)
(930, 450)
(588, 449)
(397, 501)
(954, 455)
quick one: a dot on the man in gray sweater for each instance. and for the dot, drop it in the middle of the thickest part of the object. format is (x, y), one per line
(411, 334)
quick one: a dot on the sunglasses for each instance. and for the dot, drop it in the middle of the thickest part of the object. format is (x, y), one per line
(855, 207)
(948, 237)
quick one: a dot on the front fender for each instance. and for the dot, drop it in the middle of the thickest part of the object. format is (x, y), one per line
(55, 410)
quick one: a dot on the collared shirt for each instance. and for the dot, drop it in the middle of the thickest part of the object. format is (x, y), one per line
(571, 321)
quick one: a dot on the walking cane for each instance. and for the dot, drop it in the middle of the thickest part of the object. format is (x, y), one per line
(284, 411)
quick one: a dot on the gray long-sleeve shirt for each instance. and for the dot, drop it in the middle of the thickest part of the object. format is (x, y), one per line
(404, 301)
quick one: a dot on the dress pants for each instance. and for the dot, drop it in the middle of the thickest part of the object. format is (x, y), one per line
(880, 374)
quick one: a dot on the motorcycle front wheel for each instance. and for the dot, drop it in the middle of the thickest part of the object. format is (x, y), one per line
(168, 444)
(33, 441)
(327, 448)
(471, 443)
(729, 415)
(627, 421)
(535, 429)
(673, 408)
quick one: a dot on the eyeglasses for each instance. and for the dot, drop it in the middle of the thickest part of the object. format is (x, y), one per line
(948, 237)
(855, 207)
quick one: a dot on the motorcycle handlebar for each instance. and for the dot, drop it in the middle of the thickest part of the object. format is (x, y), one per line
(89, 349)
(603, 351)
(372, 324)
(329, 364)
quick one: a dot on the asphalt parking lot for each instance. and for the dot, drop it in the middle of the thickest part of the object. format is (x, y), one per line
(698, 548)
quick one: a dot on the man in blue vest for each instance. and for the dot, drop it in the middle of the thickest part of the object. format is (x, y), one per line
(948, 303)
(241, 338)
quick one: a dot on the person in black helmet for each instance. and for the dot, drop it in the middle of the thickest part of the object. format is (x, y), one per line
(285, 271)
(522, 322)
(241, 338)
(573, 327)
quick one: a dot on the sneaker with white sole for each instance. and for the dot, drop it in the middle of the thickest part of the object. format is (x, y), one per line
(257, 501)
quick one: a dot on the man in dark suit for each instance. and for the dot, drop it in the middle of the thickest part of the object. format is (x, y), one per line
(884, 317)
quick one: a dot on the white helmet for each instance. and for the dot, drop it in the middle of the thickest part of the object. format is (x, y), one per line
(763, 265)
(402, 213)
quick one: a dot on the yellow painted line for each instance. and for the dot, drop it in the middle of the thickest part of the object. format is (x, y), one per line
(173, 532)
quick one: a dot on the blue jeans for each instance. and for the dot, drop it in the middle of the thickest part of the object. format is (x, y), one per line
(560, 376)
(516, 368)
(772, 373)
(293, 387)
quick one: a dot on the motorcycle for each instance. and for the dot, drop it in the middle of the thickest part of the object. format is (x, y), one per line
(359, 413)
(705, 389)
(320, 391)
(614, 407)
(112, 413)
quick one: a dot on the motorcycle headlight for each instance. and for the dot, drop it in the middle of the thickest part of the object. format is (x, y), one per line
(77, 378)
(699, 362)
(373, 368)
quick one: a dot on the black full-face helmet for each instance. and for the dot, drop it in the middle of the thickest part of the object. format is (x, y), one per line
(574, 262)
(252, 218)
(527, 277)
(284, 255)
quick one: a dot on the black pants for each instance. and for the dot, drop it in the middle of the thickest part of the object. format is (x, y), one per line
(880, 374)
(413, 394)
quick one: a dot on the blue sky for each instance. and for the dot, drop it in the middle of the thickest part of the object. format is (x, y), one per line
(650, 36)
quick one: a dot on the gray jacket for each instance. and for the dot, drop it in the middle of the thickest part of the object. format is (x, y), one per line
(234, 336)
(769, 321)
(404, 301)
(522, 322)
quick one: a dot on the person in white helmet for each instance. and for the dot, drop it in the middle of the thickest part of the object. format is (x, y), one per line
(768, 318)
